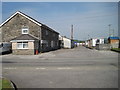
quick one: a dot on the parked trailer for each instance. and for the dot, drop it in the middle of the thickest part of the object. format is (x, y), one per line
(5, 47)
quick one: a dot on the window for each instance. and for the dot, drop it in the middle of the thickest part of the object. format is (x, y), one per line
(25, 30)
(53, 34)
(46, 32)
(19, 45)
(57, 43)
(52, 44)
(47, 44)
(97, 41)
(22, 45)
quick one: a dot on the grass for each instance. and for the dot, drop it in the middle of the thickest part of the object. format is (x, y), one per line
(116, 49)
(4, 83)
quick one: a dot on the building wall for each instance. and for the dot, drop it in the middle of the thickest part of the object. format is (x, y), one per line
(13, 28)
(37, 45)
(90, 43)
(48, 37)
(23, 51)
(114, 41)
(29, 51)
(14, 45)
(102, 41)
(67, 43)
(31, 45)
(103, 46)
(93, 42)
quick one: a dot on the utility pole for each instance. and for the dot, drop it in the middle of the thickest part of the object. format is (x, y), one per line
(109, 29)
(71, 32)
(88, 36)
(113, 32)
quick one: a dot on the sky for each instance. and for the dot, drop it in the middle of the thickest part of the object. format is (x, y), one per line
(89, 19)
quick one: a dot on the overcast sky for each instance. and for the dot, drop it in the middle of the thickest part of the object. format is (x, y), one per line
(88, 18)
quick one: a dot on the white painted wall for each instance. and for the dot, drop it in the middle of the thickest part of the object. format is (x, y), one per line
(67, 42)
(94, 41)
(101, 41)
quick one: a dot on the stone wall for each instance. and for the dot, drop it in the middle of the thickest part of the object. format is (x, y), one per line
(49, 36)
(30, 45)
(103, 46)
(115, 45)
(13, 28)
(23, 51)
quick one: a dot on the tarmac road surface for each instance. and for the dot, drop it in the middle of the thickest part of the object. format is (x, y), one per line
(64, 68)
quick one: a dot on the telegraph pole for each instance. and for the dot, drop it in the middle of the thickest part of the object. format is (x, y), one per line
(113, 32)
(88, 36)
(109, 29)
(71, 32)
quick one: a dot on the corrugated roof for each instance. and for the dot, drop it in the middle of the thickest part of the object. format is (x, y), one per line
(113, 38)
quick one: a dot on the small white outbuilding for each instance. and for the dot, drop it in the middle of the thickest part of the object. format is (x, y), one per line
(66, 42)
(94, 41)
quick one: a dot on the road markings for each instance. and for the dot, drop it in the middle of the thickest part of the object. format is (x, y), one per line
(41, 68)
(10, 68)
(61, 68)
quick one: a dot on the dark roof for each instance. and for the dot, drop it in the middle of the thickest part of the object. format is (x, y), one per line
(25, 37)
(18, 12)
(43, 25)
(113, 38)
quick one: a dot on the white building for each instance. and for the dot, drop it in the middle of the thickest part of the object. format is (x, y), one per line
(66, 42)
(92, 42)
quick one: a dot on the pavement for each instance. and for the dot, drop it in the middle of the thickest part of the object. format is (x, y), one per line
(64, 68)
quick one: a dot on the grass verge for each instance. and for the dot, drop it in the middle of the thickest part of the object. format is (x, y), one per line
(116, 49)
(4, 83)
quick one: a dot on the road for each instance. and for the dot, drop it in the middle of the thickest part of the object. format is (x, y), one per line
(65, 68)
